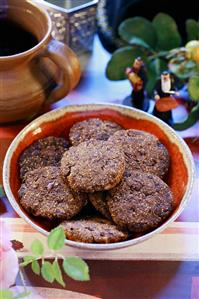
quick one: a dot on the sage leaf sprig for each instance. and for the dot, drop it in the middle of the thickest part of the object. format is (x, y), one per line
(52, 271)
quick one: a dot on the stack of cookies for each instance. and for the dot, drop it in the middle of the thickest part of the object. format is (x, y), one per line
(120, 172)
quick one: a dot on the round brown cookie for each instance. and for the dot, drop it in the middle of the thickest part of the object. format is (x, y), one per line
(43, 152)
(143, 151)
(44, 193)
(140, 202)
(99, 201)
(93, 165)
(93, 230)
(93, 128)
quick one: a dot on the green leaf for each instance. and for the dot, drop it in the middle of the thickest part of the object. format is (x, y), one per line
(160, 66)
(160, 54)
(193, 88)
(2, 193)
(192, 29)
(154, 69)
(167, 32)
(192, 118)
(76, 268)
(138, 27)
(6, 294)
(37, 247)
(27, 260)
(56, 238)
(140, 43)
(152, 77)
(35, 267)
(58, 273)
(47, 272)
(120, 60)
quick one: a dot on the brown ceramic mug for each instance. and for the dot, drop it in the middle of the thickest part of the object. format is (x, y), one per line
(40, 75)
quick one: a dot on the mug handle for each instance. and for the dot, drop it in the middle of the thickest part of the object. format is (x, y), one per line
(68, 62)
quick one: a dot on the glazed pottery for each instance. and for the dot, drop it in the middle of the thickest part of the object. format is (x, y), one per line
(58, 123)
(41, 75)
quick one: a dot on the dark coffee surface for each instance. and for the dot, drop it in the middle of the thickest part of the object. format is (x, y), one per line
(14, 39)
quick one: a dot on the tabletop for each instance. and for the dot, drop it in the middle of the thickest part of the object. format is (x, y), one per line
(165, 266)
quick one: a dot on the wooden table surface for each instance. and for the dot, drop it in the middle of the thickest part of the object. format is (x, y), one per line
(163, 267)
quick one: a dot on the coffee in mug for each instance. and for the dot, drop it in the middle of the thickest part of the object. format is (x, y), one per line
(14, 39)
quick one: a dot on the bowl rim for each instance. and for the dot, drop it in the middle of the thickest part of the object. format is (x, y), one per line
(126, 111)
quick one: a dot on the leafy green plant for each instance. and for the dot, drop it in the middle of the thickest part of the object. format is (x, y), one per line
(168, 36)
(150, 40)
(159, 44)
(51, 271)
(138, 31)
(192, 29)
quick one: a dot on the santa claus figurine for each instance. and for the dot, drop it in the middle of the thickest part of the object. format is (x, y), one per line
(164, 98)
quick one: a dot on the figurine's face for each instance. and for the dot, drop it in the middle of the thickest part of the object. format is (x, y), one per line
(165, 77)
(138, 63)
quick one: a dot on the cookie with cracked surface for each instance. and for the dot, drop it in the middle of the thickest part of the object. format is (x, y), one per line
(99, 201)
(93, 128)
(143, 151)
(93, 230)
(43, 152)
(44, 194)
(141, 202)
(93, 165)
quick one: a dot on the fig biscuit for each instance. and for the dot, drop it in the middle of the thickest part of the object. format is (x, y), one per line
(93, 230)
(143, 151)
(43, 152)
(93, 165)
(99, 201)
(44, 194)
(93, 128)
(141, 202)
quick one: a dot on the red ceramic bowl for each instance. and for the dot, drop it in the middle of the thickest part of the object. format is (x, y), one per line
(58, 122)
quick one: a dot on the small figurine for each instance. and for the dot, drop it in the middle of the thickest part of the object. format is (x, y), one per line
(137, 77)
(164, 98)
